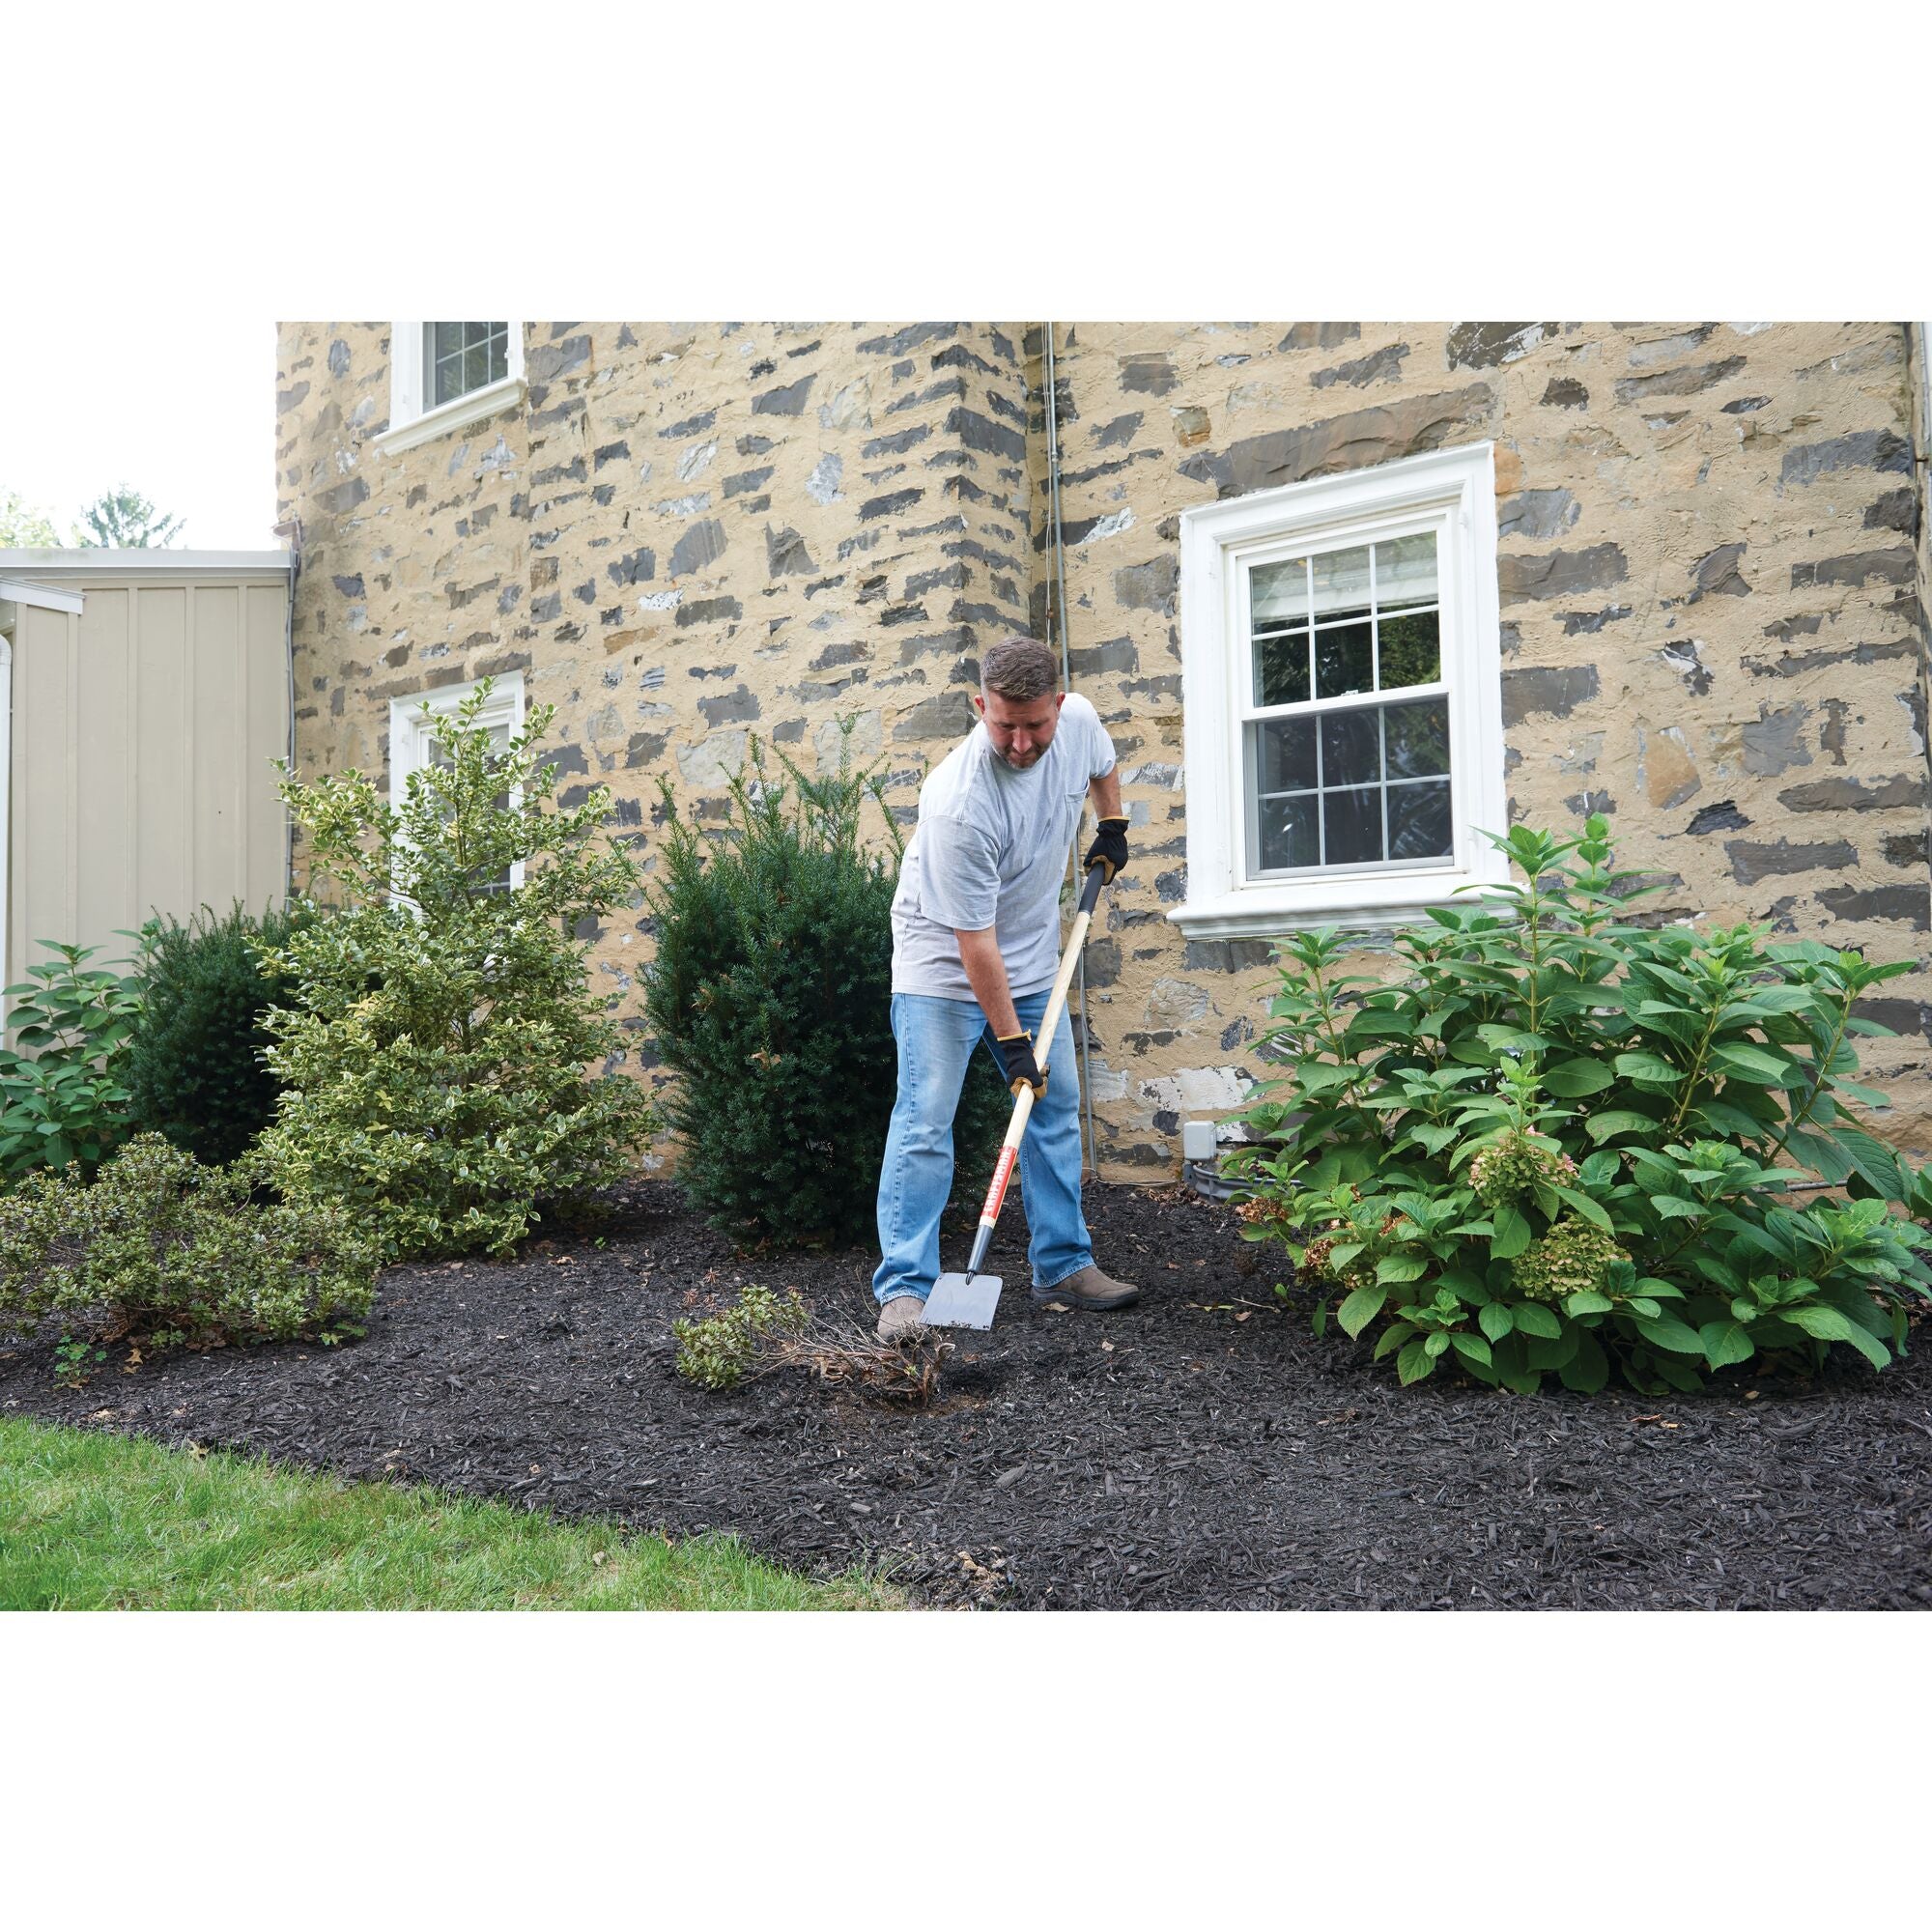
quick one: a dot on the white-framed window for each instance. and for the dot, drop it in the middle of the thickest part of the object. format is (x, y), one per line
(445, 375)
(413, 745)
(1342, 683)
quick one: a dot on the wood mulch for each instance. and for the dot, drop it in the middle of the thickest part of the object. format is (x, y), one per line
(1200, 1450)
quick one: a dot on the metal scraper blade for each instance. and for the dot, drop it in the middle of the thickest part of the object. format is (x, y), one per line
(962, 1301)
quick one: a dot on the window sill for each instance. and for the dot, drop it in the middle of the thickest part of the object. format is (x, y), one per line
(488, 400)
(1379, 905)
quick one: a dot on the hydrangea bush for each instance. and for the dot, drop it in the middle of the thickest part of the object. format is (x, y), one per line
(1570, 1143)
(63, 1083)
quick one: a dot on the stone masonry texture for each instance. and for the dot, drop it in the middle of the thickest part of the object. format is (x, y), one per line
(688, 534)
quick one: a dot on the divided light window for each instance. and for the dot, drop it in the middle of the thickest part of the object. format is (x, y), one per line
(1346, 712)
(460, 356)
(413, 748)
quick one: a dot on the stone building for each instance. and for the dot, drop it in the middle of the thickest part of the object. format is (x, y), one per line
(1672, 571)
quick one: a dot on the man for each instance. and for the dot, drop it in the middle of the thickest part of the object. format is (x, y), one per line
(976, 944)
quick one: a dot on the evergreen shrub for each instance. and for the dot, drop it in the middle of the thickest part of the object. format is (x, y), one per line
(174, 1252)
(445, 1063)
(1570, 1143)
(195, 1068)
(771, 999)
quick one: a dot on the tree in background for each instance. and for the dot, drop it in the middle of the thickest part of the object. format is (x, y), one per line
(123, 518)
(24, 528)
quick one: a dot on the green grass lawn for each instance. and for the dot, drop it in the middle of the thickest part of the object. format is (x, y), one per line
(94, 1522)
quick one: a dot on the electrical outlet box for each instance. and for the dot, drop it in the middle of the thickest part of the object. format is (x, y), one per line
(1197, 1140)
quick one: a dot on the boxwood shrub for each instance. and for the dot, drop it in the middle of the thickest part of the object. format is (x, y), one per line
(1568, 1142)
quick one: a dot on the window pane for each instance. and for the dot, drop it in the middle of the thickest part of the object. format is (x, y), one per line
(1411, 650)
(1278, 594)
(1342, 583)
(1350, 748)
(1419, 821)
(1418, 739)
(475, 368)
(1343, 663)
(500, 356)
(1280, 670)
(1354, 825)
(1405, 571)
(448, 337)
(1287, 832)
(1284, 754)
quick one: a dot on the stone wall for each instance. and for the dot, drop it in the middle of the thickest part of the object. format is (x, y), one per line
(692, 533)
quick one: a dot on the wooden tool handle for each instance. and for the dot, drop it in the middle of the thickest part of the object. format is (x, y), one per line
(1010, 1148)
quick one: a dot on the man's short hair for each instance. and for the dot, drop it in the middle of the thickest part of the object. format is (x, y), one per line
(1020, 669)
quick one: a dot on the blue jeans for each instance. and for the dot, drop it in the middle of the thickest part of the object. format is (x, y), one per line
(936, 1039)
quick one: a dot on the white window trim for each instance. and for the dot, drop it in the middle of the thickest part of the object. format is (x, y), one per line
(410, 422)
(1455, 490)
(410, 737)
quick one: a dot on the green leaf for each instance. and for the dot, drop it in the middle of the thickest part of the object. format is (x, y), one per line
(1495, 1321)
(1573, 1079)
(1533, 1319)
(1619, 1121)
(1587, 1301)
(1592, 1211)
(1665, 1332)
(1726, 1343)
(1588, 1369)
(1472, 1346)
(1673, 1207)
(1414, 1362)
(1752, 1064)
(1401, 1268)
(1361, 1308)
(1653, 1066)
(1512, 1234)
(1392, 1336)
(1437, 1343)
(1828, 1324)
(1642, 1304)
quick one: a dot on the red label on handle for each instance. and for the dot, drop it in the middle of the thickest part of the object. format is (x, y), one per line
(997, 1193)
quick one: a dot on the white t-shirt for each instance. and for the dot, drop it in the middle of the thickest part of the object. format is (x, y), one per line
(990, 850)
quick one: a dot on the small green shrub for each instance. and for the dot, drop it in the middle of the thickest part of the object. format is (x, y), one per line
(63, 1094)
(1565, 1142)
(163, 1247)
(717, 1352)
(445, 1065)
(195, 1069)
(771, 998)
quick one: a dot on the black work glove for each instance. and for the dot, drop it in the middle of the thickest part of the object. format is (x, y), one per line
(1017, 1063)
(1109, 849)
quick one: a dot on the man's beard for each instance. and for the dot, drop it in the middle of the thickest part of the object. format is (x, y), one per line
(1023, 764)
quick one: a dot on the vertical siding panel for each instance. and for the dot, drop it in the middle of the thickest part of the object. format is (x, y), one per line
(44, 829)
(216, 731)
(130, 833)
(267, 737)
(161, 738)
(109, 624)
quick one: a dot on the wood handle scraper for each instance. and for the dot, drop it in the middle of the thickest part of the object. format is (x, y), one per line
(969, 1300)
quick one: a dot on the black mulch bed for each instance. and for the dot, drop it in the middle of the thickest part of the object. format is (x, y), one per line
(1202, 1450)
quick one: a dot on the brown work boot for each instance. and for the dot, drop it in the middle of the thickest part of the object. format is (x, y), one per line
(902, 1318)
(1089, 1289)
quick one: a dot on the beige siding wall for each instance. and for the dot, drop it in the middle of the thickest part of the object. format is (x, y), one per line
(142, 731)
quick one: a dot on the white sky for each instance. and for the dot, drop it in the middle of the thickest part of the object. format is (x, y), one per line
(180, 407)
